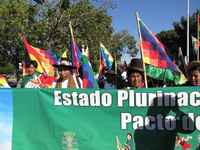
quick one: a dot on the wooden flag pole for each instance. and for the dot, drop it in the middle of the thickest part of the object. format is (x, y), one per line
(141, 50)
(71, 30)
(72, 35)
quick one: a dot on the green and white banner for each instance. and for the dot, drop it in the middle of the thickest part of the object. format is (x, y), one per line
(62, 119)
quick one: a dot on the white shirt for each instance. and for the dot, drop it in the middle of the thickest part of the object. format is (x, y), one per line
(64, 83)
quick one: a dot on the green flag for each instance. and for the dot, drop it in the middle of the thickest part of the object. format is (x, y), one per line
(53, 119)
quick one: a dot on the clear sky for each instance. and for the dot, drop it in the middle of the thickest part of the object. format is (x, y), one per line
(158, 15)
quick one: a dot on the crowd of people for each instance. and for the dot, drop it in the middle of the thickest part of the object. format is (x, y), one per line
(125, 77)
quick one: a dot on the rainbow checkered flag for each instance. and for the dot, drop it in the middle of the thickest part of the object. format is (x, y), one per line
(106, 59)
(89, 80)
(195, 44)
(158, 64)
(3, 82)
(44, 58)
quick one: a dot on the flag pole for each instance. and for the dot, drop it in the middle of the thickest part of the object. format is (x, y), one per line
(188, 31)
(141, 50)
(198, 30)
(115, 60)
(100, 67)
(72, 35)
(73, 43)
(71, 30)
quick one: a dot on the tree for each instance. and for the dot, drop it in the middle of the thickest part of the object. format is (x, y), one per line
(65, 4)
(122, 40)
(177, 37)
(91, 26)
(181, 30)
(46, 26)
(13, 19)
(170, 41)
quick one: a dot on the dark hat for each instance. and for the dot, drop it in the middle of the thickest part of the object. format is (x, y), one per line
(135, 66)
(193, 65)
(64, 64)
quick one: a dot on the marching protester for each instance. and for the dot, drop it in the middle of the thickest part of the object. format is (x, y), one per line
(110, 80)
(193, 72)
(67, 77)
(29, 80)
(135, 74)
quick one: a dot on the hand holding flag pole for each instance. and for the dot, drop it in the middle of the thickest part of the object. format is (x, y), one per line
(21, 36)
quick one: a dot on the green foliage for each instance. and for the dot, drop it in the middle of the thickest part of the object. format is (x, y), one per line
(91, 26)
(13, 17)
(47, 26)
(65, 4)
(7, 69)
(121, 40)
(170, 41)
(177, 37)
